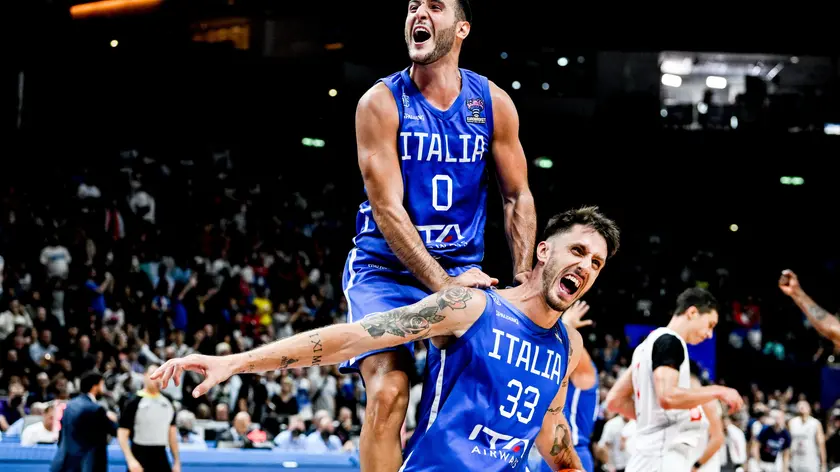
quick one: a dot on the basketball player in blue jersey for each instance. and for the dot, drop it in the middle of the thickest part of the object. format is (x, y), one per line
(581, 408)
(425, 136)
(501, 361)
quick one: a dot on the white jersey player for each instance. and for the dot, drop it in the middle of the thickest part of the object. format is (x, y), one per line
(706, 455)
(657, 391)
(808, 441)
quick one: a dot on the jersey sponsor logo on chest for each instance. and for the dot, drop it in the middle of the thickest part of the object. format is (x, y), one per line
(435, 147)
(529, 357)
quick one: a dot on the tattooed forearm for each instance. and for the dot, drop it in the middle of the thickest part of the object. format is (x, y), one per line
(554, 411)
(818, 312)
(562, 450)
(317, 348)
(250, 367)
(285, 362)
(416, 320)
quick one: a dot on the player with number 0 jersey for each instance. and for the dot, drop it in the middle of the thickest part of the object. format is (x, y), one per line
(427, 137)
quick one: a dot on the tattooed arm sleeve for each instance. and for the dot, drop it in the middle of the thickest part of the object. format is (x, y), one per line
(448, 312)
(555, 439)
(824, 322)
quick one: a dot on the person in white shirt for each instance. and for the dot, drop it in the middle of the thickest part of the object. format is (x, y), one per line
(706, 458)
(611, 449)
(628, 438)
(657, 391)
(56, 259)
(736, 444)
(42, 432)
(808, 441)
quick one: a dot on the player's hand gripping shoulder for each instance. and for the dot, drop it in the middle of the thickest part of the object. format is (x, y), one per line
(555, 439)
(449, 312)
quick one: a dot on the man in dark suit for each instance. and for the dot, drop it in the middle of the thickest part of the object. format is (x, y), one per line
(85, 426)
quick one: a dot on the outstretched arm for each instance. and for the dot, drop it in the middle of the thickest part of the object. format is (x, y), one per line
(823, 321)
(512, 172)
(555, 439)
(450, 312)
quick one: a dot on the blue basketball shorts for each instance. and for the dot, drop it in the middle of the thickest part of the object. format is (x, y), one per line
(371, 288)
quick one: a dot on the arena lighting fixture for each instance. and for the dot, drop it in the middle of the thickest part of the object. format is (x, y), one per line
(671, 80)
(113, 8)
(715, 82)
(544, 162)
(313, 142)
(792, 180)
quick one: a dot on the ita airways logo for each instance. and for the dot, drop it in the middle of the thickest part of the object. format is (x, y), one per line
(476, 108)
(498, 446)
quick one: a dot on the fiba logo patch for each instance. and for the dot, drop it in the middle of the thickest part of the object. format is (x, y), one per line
(476, 108)
(405, 101)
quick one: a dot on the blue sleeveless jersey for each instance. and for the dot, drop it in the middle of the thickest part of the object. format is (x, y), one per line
(485, 395)
(442, 158)
(581, 411)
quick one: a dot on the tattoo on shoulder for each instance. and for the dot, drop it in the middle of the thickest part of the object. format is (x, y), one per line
(417, 319)
(817, 312)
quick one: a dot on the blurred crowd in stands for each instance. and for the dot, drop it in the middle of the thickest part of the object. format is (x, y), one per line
(145, 261)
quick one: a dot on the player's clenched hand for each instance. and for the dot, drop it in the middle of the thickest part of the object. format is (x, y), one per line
(732, 398)
(789, 282)
(215, 370)
(572, 316)
(473, 278)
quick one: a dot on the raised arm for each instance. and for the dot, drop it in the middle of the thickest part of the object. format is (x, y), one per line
(377, 125)
(825, 323)
(450, 312)
(555, 439)
(512, 173)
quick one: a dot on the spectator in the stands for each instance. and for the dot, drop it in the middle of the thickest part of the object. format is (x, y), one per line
(42, 432)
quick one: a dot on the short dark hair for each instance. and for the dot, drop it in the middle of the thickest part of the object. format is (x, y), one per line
(89, 380)
(585, 216)
(464, 12)
(697, 297)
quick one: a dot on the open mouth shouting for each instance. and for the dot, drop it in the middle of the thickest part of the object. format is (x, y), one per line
(420, 34)
(569, 285)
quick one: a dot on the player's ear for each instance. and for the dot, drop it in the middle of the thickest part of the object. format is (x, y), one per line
(691, 313)
(543, 250)
(463, 30)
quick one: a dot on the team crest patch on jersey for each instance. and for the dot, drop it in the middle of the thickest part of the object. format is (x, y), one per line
(476, 107)
(405, 101)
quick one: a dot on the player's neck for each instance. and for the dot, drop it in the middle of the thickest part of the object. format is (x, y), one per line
(679, 324)
(529, 299)
(440, 82)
